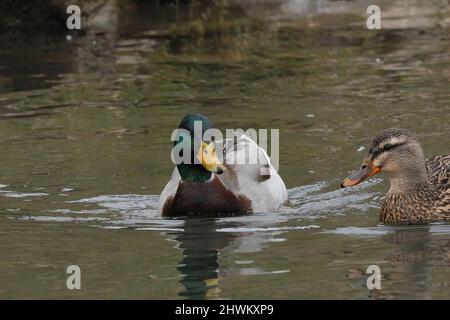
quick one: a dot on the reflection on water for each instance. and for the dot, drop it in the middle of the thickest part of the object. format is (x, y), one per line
(200, 263)
(85, 123)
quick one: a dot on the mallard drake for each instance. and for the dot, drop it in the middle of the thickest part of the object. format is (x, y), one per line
(420, 188)
(211, 187)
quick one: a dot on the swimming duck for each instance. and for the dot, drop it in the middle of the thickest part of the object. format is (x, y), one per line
(215, 179)
(420, 188)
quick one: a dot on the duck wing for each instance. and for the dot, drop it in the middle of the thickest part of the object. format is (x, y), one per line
(248, 171)
(247, 158)
(439, 171)
(439, 174)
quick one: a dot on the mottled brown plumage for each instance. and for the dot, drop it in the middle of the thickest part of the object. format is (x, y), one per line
(414, 206)
(420, 189)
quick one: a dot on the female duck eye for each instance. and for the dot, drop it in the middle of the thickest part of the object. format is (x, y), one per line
(388, 146)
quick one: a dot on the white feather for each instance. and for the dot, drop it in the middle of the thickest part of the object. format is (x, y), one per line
(170, 190)
(266, 194)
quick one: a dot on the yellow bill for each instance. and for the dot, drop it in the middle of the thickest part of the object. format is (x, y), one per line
(208, 158)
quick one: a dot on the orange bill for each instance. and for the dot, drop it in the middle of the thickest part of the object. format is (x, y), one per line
(366, 170)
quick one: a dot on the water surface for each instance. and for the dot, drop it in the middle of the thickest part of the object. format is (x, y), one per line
(85, 127)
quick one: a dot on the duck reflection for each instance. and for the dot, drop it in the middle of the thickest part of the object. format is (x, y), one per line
(201, 245)
(204, 241)
(416, 250)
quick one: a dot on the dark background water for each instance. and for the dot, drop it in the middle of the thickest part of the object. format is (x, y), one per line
(85, 124)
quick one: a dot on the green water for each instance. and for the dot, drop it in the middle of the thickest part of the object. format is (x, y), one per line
(85, 128)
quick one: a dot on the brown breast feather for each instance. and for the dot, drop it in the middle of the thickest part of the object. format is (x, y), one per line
(206, 199)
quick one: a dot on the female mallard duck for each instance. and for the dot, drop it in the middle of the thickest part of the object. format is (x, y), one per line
(208, 187)
(420, 189)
